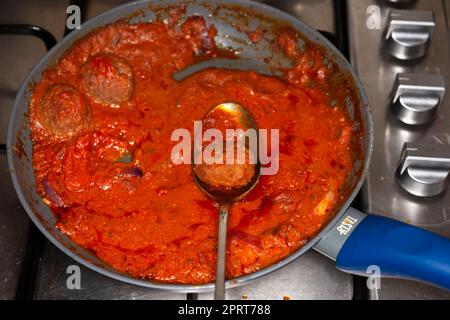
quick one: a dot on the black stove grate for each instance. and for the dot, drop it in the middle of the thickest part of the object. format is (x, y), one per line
(36, 240)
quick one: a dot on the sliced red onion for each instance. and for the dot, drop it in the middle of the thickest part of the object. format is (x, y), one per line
(133, 172)
(52, 195)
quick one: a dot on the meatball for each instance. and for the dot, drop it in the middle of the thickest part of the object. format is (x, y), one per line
(63, 111)
(108, 79)
(226, 176)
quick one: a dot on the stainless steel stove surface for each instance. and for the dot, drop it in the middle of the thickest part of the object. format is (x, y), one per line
(33, 268)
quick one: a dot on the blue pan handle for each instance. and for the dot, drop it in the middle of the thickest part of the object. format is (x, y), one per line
(358, 241)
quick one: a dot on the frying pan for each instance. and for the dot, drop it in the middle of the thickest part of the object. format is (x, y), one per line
(355, 240)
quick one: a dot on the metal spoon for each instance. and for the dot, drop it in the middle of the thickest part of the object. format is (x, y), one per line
(226, 196)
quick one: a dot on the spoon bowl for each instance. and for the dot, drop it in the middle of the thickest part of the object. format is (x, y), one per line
(226, 183)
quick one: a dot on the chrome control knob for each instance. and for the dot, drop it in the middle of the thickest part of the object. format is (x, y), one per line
(415, 97)
(408, 33)
(423, 170)
(402, 1)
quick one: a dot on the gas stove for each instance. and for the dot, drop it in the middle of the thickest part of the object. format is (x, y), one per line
(400, 50)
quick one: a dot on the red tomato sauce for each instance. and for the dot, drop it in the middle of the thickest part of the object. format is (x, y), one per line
(102, 151)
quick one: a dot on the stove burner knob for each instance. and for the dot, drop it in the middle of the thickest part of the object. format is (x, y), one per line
(423, 170)
(415, 97)
(408, 33)
(402, 1)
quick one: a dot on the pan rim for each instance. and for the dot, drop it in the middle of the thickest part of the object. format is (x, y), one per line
(304, 29)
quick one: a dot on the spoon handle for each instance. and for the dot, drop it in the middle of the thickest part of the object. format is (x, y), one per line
(219, 293)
